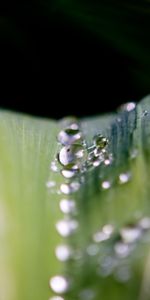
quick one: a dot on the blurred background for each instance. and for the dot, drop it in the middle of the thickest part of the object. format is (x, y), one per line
(75, 57)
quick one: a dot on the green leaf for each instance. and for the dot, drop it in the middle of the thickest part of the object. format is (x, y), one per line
(115, 268)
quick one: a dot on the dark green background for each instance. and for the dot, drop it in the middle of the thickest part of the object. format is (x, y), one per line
(62, 53)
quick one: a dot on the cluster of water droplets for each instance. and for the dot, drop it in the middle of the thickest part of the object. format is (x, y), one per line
(74, 159)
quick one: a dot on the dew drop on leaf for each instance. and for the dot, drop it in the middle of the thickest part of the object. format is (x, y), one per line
(59, 284)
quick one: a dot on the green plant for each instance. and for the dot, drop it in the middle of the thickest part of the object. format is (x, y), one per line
(109, 247)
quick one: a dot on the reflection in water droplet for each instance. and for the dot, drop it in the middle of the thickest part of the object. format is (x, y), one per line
(92, 250)
(59, 284)
(67, 206)
(54, 167)
(145, 223)
(69, 136)
(50, 184)
(69, 173)
(106, 185)
(63, 252)
(100, 141)
(122, 274)
(124, 177)
(56, 298)
(130, 234)
(69, 188)
(71, 154)
(122, 250)
(66, 227)
(87, 294)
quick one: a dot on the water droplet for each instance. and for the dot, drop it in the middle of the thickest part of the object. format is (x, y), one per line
(59, 284)
(87, 294)
(54, 167)
(56, 298)
(63, 252)
(69, 136)
(69, 188)
(66, 227)
(67, 206)
(130, 234)
(108, 265)
(73, 154)
(144, 223)
(128, 106)
(122, 274)
(103, 234)
(50, 184)
(106, 185)
(124, 177)
(134, 154)
(92, 250)
(144, 113)
(69, 173)
(100, 141)
(122, 250)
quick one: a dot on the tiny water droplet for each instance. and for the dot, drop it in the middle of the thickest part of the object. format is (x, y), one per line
(107, 266)
(104, 234)
(69, 173)
(54, 167)
(59, 284)
(66, 227)
(144, 113)
(144, 223)
(106, 185)
(130, 234)
(92, 249)
(87, 294)
(69, 136)
(124, 177)
(50, 184)
(122, 274)
(69, 188)
(63, 252)
(67, 206)
(72, 154)
(122, 250)
(133, 154)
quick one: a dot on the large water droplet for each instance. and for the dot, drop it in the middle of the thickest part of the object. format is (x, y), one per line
(73, 154)
(66, 227)
(124, 177)
(67, 206)
(69, 188)
(69, 135)
(63, 252)
(130, 234)
(59, 284)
